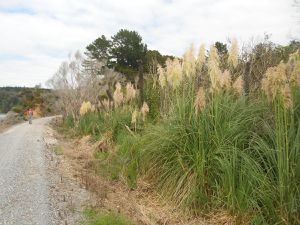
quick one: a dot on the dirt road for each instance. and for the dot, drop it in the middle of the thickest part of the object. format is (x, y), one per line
(27, 182)
(24, 194)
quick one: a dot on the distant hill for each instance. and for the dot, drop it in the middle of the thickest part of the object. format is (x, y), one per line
(19, 99)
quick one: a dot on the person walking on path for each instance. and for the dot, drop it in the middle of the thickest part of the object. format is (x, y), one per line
(30, 114)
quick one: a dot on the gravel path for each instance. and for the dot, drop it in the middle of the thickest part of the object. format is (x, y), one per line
(24, 195)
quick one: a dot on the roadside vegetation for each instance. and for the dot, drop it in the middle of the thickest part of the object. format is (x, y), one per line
(215, 130)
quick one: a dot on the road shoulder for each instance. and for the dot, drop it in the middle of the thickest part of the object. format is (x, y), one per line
(67, 197)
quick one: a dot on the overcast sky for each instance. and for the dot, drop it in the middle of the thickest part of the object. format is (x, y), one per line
(37, 35)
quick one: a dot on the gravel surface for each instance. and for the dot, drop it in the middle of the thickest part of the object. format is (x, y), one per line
(23, 196)
(26, 178)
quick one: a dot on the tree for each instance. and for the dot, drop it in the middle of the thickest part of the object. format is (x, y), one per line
(222, 48)
(99, 49)
(123, 52)
(128, 48)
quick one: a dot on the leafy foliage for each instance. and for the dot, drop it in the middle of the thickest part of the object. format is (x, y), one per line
(128, 48)
(99, 49)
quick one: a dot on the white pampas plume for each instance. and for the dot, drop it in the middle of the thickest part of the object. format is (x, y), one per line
(174, 72)
(213, 68)
(161, 76)
(134, 117)
(226, 80)
(189, 62)
(238, 85)
(130, 92)
(200, 102)
(287, 97)
(201, 58)
(275, 80)
(144, 110)
(233, 54)
(118, 95)
(86, 107)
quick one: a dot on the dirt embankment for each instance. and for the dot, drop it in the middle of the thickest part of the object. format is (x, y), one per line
(142, 205)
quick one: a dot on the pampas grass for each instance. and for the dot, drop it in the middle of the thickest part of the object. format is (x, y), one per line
(233, 54)
(144, 111)
(161, 76)
(118, 95)
(213, 68)
(200, 101)
(174, 72)
(215, 149)
(238, 85)
(201, 58)
(86, 107)
(134, 117)
(189, 63)
(130, 92)
(212, 147)
(226, 80)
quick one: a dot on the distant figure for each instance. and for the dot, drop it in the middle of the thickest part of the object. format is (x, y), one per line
(30, 114)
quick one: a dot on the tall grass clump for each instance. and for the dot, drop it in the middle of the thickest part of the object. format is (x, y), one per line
(196, 160)
(120, 120)
(282, 93)
(217, 147)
